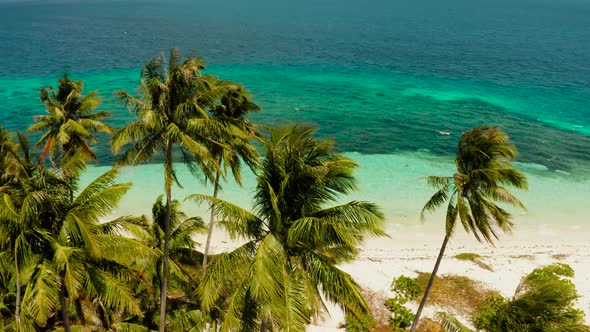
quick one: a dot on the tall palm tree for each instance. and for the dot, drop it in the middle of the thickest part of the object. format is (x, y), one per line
(183, 259)
(71, 122)
(484, 168)
(171, 115)
(236, 103)
(294, 241)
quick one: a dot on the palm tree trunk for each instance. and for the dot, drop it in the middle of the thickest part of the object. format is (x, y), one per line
(103, 316)
(211, 223)
(18, 295)
(64, 308)
(430, 282)
(168, 189)
(80, 311)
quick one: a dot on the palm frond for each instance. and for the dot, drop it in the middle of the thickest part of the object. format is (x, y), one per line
(336, 285)
(450, 324)
(439, 197)
(40, 297)
(222, 268)
(239, 223)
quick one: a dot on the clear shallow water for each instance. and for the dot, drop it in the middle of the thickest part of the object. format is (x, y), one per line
(387, 79)
(395, 182)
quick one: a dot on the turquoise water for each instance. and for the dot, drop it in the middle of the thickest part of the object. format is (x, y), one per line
(394, 181)
(393, 83)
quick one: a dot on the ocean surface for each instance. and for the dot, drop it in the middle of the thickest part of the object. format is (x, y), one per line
(393, 82)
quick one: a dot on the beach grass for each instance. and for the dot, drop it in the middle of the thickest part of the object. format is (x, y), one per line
(457, 293)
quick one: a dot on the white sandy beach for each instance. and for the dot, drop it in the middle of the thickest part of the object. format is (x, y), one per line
(412, 249)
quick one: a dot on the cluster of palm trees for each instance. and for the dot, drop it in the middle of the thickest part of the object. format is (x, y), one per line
(64, 267)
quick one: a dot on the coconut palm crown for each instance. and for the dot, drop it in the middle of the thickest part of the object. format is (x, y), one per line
(484, 171)
(294, 242)
(71, 122)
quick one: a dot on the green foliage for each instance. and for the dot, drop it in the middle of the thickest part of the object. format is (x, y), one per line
(71, 122)
(230, 151)
(489, 311)
(354, 324)
(449, 323)
(549, 273)
(484, 171)
(294, 243)
(543, 301)
(401, 316)
(405, 289)
(171, 117)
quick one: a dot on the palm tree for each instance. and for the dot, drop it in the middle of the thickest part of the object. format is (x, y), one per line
(58, 242)
(77, 260)
(184, 256)
(294, 242)
(484, 167)
(235, 104)
(22, 185)
(171, 115)
(71, 122)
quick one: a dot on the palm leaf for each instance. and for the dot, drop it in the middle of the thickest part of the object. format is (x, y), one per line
(450, 324)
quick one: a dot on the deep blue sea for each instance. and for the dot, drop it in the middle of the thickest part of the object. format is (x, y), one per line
(388, 79)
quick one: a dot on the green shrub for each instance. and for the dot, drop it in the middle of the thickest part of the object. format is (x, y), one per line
(401, 317)
(544, 301)
(405, 289)
(354, 324)
(489, 311)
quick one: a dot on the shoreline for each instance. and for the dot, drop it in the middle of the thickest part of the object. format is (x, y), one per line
(394, 182)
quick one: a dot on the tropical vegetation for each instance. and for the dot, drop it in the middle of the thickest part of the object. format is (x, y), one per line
(66, 264)
(172, 115)
(543, 301)
(293, 240)
(484, 169)
(71, 123)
